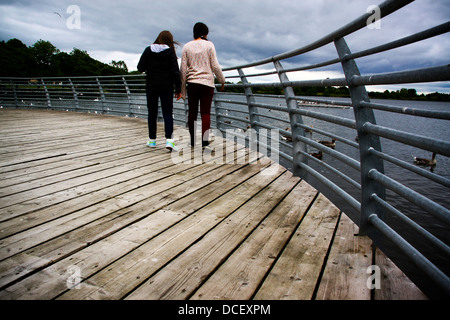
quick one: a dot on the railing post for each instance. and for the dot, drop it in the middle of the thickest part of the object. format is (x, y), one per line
(128, 95)
(252, 110)
(102, 94)
(16, 99)
(217, 106)
(366, 141)
(47, 95)
(75, 95)
(295, 120)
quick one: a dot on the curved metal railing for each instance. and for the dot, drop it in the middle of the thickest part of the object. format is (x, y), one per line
(354, 173)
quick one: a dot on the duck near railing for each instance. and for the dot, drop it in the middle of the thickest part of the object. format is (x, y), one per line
(358, 153)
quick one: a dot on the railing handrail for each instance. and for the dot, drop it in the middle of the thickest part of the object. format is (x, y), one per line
(357, 184)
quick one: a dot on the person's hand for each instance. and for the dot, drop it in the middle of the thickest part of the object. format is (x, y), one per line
(178, 96)
(223, 86)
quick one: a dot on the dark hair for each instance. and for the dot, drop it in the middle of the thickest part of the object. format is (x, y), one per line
(165, 37)
(200, 29)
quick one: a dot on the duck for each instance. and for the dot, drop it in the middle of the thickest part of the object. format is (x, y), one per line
(426, 162)
(284, 137)
(317, 155)
(308, 130)
(330, 144)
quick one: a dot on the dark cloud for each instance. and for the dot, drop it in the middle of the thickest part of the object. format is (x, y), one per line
(242, 30)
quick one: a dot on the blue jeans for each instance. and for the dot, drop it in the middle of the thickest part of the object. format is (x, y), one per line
(165, 94)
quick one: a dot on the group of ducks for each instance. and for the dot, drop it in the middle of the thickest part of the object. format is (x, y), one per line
(418, 161)
(332, 144)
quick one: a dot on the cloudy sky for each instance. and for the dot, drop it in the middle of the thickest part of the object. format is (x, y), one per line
(242, 30)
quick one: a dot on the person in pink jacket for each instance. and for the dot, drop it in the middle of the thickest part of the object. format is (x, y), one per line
(199, 66)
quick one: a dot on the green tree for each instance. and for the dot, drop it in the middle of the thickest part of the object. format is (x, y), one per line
(121, 65)
(16, 60)
(44, 55)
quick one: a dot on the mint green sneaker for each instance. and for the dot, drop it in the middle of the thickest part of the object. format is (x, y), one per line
(151, 143)
(170, 144)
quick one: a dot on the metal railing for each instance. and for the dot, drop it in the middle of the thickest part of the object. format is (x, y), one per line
(350, 173)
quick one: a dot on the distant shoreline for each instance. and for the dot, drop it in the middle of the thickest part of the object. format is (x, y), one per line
(343, 92)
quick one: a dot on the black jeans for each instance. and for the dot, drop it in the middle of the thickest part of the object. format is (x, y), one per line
(166, 95)
(203, 95)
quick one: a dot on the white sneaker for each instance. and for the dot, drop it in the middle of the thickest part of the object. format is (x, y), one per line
(170, 144)
(151, 143)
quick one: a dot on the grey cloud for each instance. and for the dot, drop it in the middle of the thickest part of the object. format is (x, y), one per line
(242, 30)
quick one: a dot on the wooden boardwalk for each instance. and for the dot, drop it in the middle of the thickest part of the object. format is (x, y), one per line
(87, 211)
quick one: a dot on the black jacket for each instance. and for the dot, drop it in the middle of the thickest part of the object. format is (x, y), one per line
(161, 68)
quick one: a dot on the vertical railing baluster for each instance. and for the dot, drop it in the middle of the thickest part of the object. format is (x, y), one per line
(16, 98)
(102, 94)
(217, 107)
(47, 95)
(252, 110)
(75, 95)
(366, 141)
(295, 120)
(127, 89)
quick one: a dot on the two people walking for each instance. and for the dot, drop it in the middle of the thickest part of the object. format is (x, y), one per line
(199, 67)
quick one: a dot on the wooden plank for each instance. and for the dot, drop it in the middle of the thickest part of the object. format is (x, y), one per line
(196, 230)
(100, 171)
(32, 213)
(182, 276)
(89, 154)
(89, 167)
(57, 139)
(241, 274)
(18, 193)
(295, 274)
(68, 244)
(395, 285)
(87, 136)
(66, 138)
(100, 207)
(345, 276)
(160, 250)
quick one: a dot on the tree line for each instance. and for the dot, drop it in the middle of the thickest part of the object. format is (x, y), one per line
(43, 59)
(402, 94)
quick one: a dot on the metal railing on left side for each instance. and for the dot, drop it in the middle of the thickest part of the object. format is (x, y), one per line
(122, 95)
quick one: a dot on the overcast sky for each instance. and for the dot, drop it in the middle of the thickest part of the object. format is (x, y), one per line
(242, 30)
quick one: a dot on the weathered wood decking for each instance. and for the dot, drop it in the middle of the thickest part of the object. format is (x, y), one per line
(83, 198)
